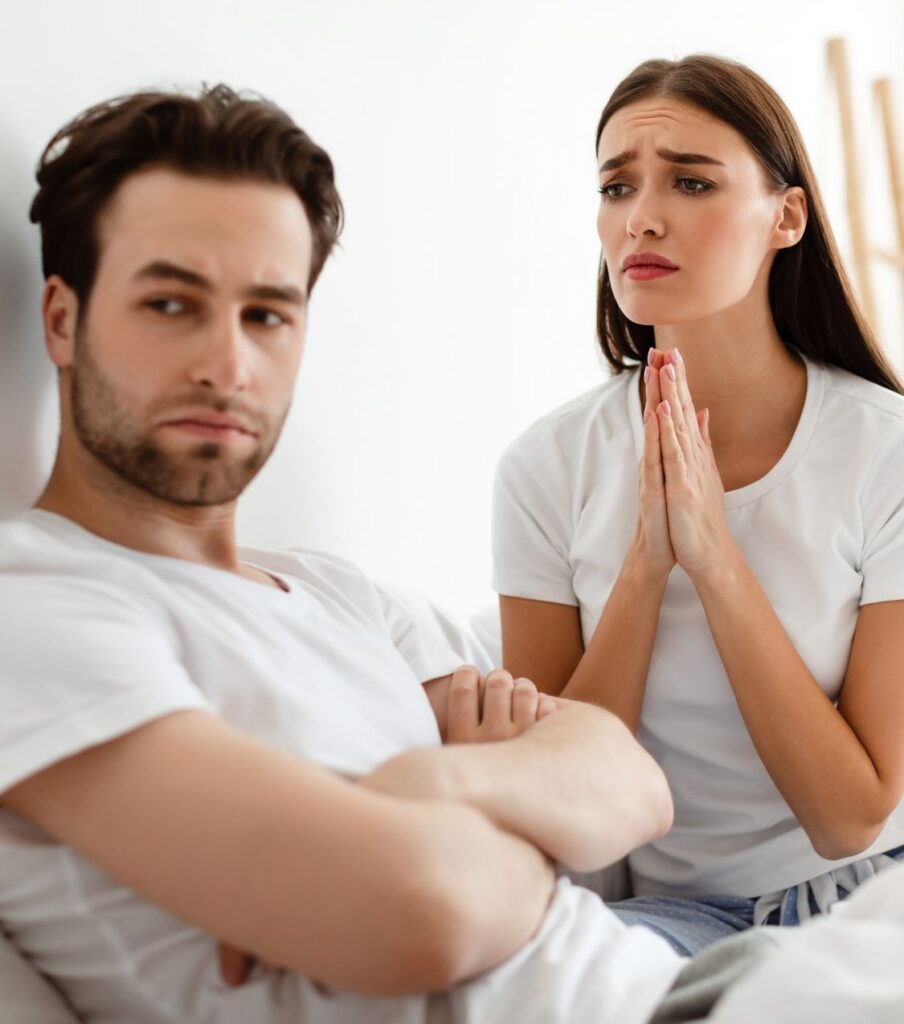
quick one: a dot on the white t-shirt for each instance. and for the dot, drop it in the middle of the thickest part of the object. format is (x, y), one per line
(96, 639)
(824, 532)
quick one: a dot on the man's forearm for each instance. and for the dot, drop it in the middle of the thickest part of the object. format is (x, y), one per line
(576, 784)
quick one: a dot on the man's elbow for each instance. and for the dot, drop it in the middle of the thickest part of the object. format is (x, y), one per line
(662, 808)
(442, 943)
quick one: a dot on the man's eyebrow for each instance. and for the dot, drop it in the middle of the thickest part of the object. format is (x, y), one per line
(164, 270)
(673, 157)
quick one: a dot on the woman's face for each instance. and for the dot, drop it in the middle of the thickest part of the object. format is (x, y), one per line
(685, 192)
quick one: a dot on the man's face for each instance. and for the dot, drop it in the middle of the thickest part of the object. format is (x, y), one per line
(185, 360)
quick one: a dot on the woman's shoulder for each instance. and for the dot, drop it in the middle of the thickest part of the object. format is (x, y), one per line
(602, 408)
(863, 397)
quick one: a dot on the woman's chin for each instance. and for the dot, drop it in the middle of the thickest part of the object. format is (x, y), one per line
(658, 314)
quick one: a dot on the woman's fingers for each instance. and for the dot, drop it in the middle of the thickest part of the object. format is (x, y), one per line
(703, 421)
(674, 463)
(652, 452)
(673, 383)
(651, 388)
(684, 393)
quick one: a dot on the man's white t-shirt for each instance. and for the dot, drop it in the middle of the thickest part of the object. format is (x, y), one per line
(96, 639)
(823, 531)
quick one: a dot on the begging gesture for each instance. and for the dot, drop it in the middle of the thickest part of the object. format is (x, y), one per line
(678, 452)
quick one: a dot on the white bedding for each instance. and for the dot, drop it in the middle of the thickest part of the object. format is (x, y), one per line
(847, 967)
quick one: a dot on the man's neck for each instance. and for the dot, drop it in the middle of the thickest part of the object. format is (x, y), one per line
(98, 499)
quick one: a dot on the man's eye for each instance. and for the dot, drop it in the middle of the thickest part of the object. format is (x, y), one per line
(168, 307)
(265, 317)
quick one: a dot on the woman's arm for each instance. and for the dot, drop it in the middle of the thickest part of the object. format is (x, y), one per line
(840, 769)
(543, 640)
(612, 672)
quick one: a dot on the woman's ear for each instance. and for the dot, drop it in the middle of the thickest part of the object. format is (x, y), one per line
(59, 309)
(793, 217)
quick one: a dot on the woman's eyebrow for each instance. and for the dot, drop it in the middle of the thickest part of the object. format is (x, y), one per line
(673, 157)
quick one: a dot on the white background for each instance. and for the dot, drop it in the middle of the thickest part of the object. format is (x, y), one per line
(461, 305)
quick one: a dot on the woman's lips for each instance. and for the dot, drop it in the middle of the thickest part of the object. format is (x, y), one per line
(648, 271)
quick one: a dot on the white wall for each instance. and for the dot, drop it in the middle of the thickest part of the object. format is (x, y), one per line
(461, 304)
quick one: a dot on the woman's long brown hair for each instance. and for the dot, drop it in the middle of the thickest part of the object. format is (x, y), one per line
(811, 298)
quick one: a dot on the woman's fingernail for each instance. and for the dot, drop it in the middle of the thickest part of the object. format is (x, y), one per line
(646, 374)
(670, 370)
(678, 358)
(647, 415)
(668, 409)
(650, 352)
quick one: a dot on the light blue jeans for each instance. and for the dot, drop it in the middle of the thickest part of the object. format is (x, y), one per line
(691, 925)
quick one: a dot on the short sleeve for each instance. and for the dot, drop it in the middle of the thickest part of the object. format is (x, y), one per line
(431, 640)
(532, 522)
(883, 523)
(81, 663)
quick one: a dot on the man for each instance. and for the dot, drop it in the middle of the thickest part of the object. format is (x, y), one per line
(199, 744)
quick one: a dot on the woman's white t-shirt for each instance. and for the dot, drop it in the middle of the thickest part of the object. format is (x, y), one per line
(824, 532)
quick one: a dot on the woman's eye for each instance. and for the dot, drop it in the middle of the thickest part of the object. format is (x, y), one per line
(693, 186)
(612, 192)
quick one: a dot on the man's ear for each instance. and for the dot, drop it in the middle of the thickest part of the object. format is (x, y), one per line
(59, 310)
(793, 217)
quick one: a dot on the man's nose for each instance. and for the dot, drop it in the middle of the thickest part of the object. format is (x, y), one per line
(223, 361)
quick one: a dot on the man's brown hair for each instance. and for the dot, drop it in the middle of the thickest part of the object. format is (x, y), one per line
(218, 134)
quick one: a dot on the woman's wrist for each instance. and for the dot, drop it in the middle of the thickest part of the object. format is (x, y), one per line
(719, 571)
(640, 568)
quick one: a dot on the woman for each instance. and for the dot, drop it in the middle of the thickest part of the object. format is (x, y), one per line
(742, 608)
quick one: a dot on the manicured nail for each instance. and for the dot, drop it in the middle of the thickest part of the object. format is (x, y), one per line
(678, 358)
(650, 352)
(670, 370)
(647, 415)
(668, 408)
(646, 375)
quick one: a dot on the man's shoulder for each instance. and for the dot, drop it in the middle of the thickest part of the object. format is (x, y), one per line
(48, 561)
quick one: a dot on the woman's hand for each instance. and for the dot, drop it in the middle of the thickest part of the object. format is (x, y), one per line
(652, 545)
(694, 494)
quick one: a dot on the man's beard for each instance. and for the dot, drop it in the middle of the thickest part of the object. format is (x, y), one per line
(208, 474)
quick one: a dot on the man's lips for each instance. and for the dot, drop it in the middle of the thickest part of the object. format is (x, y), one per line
(644, 266)
(210, 426)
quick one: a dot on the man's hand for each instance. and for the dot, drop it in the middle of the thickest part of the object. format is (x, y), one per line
(498, 708)
(235, 966)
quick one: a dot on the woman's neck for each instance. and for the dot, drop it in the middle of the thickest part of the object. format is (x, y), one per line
(754, 388)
